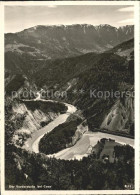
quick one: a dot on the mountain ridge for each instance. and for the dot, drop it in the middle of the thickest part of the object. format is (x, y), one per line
(68, 25)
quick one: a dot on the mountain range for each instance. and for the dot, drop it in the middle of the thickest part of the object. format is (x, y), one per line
(53, 42)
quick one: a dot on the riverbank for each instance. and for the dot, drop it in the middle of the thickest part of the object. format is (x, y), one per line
(114, 133)
(83, 147)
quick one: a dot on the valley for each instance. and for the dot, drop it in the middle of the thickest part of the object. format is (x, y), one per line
(88, 130)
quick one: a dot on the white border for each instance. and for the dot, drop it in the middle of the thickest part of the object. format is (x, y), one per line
(2, 90)
(137, 95)
(137, 98)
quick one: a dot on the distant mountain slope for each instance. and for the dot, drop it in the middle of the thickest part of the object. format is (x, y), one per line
(47, 72)
(124, 46)
(124, 49)
(63, 70)
(63, 41)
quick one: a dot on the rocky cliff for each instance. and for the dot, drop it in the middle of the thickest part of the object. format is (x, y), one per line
(32, 120)
(120, 117)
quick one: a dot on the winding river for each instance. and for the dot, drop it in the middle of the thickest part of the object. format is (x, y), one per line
(32, 144)
(81, 148)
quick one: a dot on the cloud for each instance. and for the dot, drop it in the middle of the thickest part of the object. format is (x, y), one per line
(52, 6)
(130, 20)
(126, 9)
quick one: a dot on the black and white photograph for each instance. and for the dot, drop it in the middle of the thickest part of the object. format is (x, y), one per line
(69, 98)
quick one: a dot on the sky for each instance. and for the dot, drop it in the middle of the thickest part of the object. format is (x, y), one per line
(18, 18)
